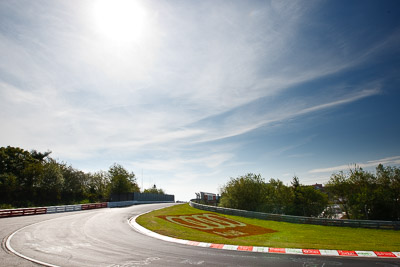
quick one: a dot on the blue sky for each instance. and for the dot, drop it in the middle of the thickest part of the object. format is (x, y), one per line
(191, 93)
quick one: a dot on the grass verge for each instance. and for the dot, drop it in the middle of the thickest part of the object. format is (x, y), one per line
(288, 235)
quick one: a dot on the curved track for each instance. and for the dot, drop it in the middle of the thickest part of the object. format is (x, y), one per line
(103, 237)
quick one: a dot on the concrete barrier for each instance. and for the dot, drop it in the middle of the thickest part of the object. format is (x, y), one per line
(133, 202)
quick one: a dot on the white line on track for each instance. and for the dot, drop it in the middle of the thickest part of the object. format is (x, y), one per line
(9, 247)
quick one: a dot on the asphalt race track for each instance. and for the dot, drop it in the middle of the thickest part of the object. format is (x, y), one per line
(103, 237)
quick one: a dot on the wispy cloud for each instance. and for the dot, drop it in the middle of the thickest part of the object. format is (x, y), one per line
(211, 161)
(170, 82)
(245, 121)
(351, 98)
(372, 163)
(200, 73)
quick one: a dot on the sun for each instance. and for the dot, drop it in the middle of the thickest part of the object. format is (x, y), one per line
(121, 21)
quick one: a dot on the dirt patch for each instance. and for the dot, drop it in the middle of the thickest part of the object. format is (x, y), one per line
(218, 225)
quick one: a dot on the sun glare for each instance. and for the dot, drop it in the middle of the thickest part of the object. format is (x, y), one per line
(120, 20)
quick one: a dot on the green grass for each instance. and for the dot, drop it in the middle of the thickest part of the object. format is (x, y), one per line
(289, 235)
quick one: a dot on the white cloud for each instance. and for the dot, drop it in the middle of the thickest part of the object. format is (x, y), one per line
(347, 100)
(156, 90)
(245, 121)
(211, 161)
(372, 163)
(198, 74)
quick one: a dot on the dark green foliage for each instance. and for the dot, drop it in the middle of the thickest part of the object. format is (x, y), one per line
(14, 160)
(245, 192)
(74, 187)
(308, 201)
(251, 192)
(361, 195)
(40, 156)
(364, 195)
(35, 179)
(278, 199)
(8, 185)
(97, 186)
(49, 184)
(121, 181)
(387, 201)
(154, 190)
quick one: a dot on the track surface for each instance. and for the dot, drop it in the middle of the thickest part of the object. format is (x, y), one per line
(103, 237)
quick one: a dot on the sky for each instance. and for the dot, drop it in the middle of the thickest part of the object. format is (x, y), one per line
(188, 94)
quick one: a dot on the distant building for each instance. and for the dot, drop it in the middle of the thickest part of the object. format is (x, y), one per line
(319, 187)
(208, 198)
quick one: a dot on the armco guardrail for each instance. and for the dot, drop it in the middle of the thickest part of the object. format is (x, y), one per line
(392, 225)
(94, 206)
(51, 209)
(68, 208)
(22, 212)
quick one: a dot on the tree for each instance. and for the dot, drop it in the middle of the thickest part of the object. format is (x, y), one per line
(312, 201)
(97, 186)
(279, 198)
(244, 192)
(121, 181)
(17, 180)
(387, 200)
(34, 178)
(154, 190)
(39, 155)
(250, 192)
(14, 160)
(307, 200)
(340, 189)
(50, 184)
(364, 195)
(8, 186)
(73, 189)
(29, 183)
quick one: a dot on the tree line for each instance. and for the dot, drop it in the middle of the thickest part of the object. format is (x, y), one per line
(251, 192)
(364, 195)
(360, 194)
(32, 178)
